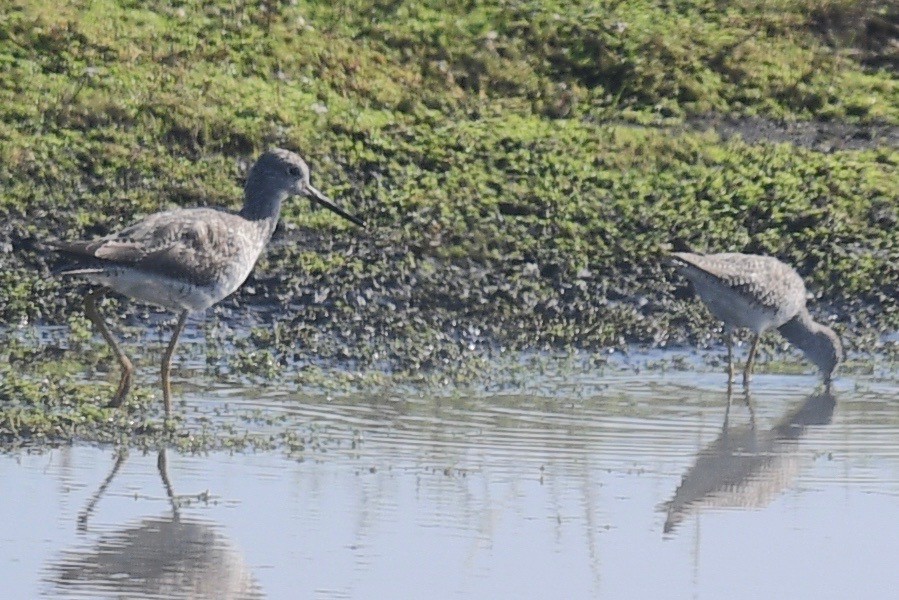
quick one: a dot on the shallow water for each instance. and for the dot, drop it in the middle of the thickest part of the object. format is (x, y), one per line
(626, 486)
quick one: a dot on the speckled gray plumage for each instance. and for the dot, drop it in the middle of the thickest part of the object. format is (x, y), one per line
(189, 259)
(764, 283)
(760, 293)
(196, 245)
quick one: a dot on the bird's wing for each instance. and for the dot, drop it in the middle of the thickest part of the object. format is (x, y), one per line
(185, 244)
(764, 279)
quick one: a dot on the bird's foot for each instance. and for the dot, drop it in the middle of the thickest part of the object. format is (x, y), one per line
(123, 390)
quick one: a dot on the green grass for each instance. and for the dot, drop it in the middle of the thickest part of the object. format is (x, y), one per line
(521, 164)
(440, 118)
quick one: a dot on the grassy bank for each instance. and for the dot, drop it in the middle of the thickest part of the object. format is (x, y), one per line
(522, 165)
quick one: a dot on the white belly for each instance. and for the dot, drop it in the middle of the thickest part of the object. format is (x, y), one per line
(737, 311)
(167, 292)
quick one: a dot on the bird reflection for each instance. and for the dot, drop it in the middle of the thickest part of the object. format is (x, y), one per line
(745, 467)
(158, 557)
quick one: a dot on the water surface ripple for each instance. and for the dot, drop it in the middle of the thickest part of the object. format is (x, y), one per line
(637, 485)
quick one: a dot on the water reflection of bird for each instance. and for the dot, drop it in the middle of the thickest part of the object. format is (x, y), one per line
(744, 467)
(759, 293)
(189, 259)
(158, 557)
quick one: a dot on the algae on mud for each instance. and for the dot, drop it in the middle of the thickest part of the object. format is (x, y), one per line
(524, 164)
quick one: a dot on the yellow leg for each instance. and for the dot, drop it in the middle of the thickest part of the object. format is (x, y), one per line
(730, 393)
(167, 364)
(730, 356)
(162, 465)
(85, 514)
(750, 362)
(750, 405)
(127, 378)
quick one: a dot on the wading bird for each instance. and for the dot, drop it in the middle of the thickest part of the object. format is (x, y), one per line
(760, 293)
(188, 259)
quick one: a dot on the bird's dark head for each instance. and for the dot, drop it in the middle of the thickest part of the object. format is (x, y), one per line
(818, 342)
(828, 352)
(280, 173)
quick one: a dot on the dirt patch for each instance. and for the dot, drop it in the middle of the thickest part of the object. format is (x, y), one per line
(817, 135)
(868, 29)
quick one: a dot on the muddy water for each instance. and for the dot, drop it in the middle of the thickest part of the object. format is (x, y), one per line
(626, 486)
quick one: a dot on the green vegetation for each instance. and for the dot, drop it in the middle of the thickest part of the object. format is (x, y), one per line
(44, 396)
(523, 165)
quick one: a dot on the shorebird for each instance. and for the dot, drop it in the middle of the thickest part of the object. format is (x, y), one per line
(166, 556)
(760, 293)
(746, 467)
(188, 259)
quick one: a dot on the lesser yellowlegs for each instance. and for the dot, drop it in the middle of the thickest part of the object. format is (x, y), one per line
(188, 259)
(747, 467)
(760, 293)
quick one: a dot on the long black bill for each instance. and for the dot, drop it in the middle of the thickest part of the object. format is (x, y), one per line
(326, 202)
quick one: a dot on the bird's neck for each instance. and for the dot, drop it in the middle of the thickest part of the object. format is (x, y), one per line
(262, 200)
(266, 228)
(804, 333)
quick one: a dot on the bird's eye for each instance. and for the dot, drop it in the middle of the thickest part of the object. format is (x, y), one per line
(293, 171)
